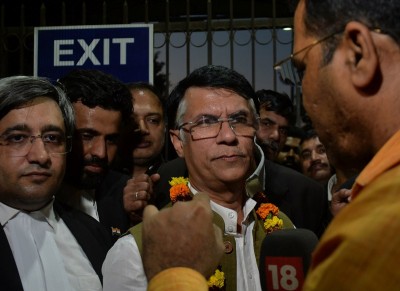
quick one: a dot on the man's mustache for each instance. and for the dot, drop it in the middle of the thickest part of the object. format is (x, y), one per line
(316, 164)
(96, 161)
(271, 144)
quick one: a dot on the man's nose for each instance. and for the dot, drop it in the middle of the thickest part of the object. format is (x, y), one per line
(98, 147)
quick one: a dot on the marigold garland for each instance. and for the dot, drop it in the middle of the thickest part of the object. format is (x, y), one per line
(179, 190)
(266, 211)
(216, 281)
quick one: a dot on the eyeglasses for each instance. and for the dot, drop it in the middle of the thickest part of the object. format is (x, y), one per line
(19, 144)
(210, 126)
(266, 124)
(289, 74)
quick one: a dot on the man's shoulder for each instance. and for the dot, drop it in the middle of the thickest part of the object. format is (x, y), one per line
(112, 184)
(114, 177)
(290, 176)
(172, 168)
(81, 223)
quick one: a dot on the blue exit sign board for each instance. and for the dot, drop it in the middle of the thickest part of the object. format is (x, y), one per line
(125, 51)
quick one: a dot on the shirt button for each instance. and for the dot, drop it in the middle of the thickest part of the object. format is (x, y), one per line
(231, 215)
(228, 247)
(230, 228)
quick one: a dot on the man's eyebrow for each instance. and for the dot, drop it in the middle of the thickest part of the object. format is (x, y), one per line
(24, 127)
(19, 127)
(238, 113)
(201, 115)
(268, 119)
(48, 128)
(153, 114)
(305, 151)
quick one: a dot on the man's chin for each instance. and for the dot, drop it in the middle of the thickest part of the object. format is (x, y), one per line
(270, 153)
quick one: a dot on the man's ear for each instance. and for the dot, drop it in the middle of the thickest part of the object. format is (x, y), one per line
(177, 142)
(362, 55)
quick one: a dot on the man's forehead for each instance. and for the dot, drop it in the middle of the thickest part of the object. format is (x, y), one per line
(199, 99)
(40, 114)
(274, 116)
(214, 91)
(150, 105)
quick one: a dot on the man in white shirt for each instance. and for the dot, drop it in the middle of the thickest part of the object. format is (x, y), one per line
(43, 245)
(214, 132)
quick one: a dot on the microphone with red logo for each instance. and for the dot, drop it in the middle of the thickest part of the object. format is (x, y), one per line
(285, 259)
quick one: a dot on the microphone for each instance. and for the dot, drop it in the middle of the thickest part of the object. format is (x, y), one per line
(285, 258)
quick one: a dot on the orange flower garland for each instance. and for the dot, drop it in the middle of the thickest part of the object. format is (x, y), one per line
(179, 191)
(266, 211)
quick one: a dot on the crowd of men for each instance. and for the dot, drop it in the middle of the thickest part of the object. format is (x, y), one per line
(86, 200)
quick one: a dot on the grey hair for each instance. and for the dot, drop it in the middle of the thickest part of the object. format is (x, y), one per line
(17, 91)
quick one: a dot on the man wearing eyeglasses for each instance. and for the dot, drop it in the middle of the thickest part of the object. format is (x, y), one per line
(214, 125)
(348, 53)
(44, 245)
(350, 91)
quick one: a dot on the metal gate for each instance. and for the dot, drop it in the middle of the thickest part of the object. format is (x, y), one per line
(246, 35)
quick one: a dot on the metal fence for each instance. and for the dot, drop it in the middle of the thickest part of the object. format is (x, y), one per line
(246, 35)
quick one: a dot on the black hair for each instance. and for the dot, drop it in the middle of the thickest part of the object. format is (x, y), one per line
(208, 76)
(307, 133)
(279, 103)
(324, 17)
(95, 88)
(145, 86)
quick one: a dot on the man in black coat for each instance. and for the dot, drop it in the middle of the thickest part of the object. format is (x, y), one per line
(44, 245)
(102, 106)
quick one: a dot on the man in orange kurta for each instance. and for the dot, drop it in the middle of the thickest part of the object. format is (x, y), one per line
(347, 59)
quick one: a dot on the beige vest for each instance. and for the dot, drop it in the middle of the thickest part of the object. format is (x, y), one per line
(228, 262)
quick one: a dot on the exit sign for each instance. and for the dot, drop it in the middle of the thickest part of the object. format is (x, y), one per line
(125, 51)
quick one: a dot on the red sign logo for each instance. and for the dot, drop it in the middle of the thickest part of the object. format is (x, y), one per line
(284, 273)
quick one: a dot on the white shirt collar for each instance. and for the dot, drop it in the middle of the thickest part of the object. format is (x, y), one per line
(332, 181)
(260, 170)
(7, 213)
(228, 215)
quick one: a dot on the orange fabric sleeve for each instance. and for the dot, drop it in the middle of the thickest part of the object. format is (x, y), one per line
(177, 279)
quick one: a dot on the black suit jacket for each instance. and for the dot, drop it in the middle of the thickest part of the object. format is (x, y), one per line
(90, 235)
(299, 197)
(109, 197)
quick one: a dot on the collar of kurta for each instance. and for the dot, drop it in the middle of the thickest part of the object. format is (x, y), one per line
(387, 157)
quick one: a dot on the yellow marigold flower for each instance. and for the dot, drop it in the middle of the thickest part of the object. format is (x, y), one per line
(217, 280)
(273, 223)
(265, 209)
(178, 180)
